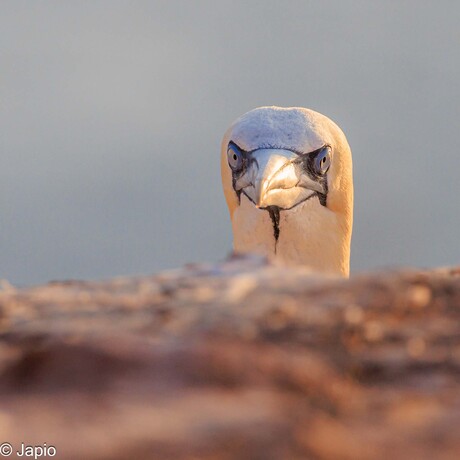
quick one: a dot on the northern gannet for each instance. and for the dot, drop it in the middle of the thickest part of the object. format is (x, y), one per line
(287, 180)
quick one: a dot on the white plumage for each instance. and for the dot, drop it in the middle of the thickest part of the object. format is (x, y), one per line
(287, 179)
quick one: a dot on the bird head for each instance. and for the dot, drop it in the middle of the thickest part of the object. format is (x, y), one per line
(287, 180)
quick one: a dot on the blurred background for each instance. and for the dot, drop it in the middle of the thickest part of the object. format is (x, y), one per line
(112, 113)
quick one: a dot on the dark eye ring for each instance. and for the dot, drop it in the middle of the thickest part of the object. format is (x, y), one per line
(323, 160)
(235, 157)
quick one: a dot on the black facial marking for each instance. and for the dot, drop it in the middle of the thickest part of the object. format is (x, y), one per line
(322, 197)
(306, 161)
(237, 173)
(274, 212)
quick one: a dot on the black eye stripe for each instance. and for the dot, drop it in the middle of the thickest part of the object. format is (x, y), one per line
(305, 160)
(237, 161)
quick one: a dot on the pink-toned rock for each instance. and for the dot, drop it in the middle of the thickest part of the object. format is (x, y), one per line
(241, 360)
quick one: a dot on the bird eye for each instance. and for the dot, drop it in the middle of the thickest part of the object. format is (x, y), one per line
(323, 160)
(235, 157)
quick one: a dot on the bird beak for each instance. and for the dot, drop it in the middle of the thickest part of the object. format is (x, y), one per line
(275, 177)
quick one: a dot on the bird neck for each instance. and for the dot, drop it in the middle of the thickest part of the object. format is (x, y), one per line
(309, 235)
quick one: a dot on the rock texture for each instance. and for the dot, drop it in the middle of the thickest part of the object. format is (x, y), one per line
(241, 360)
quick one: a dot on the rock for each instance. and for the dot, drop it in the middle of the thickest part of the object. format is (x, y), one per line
(240, 360)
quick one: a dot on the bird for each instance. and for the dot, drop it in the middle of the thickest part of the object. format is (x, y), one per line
(288, 182)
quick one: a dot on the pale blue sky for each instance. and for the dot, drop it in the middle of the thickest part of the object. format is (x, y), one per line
(112, 112)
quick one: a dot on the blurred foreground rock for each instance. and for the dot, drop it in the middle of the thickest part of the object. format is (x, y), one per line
(235, 361)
